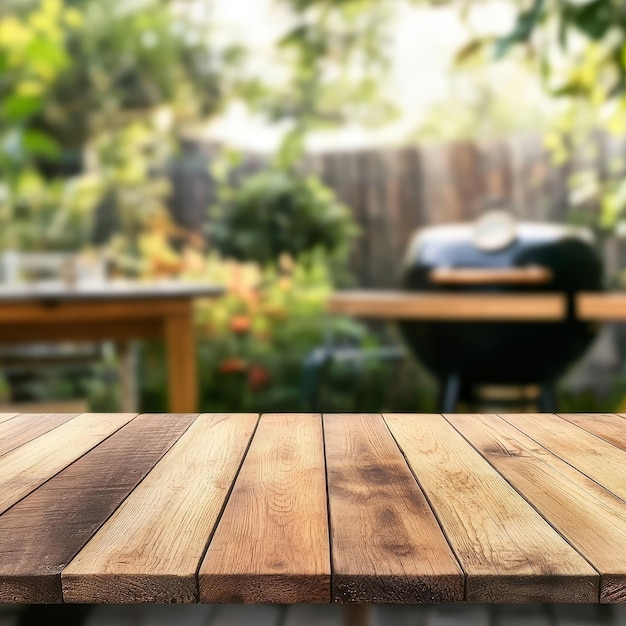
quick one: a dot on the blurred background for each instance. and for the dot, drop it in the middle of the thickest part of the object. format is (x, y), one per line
(286, 149)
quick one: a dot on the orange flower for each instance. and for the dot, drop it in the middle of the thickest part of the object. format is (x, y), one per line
(258, 377)
(240, 324)
(232, 365)
(166, 267)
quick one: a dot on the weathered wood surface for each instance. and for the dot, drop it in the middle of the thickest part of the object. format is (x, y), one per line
(272, 542)
(13, 433)
(7, 416)
(593, 456)
(387, 544)
(65, 512)
(568, 499)
(150, 548)
(25, 468)
(610, 427)
(302, 508)
(489, 526)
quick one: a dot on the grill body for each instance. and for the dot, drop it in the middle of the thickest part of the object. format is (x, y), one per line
(553, 259)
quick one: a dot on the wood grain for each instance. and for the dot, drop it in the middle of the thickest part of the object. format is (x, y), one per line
(386, 543)
(22, 470)
(182, 375)
(151, 547)
(508, 551)
(570, 501)
(15, 432)
(7, 416)
(593, 456)
(98, 482)
(403, 305)
(610, 427)
(271, 544)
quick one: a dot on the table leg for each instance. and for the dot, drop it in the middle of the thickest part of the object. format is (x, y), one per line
(181, 363)
(355, 615)
(128, 376)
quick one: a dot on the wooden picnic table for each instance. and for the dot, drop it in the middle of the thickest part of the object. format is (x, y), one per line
(302, 508)
(119, 311)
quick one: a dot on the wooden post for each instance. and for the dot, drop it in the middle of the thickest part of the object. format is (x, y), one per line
(181, 362)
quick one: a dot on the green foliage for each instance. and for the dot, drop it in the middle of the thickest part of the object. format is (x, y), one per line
(32, 58)
(577, 46)
(43, 216)
(252, 344)
(335, 54)
(277, 212)
(132, 58)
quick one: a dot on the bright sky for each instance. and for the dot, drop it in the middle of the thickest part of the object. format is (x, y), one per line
(425, 41)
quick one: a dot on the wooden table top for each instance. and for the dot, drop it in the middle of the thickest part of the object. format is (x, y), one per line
(303, 508)
(106, 290)
(545, 307)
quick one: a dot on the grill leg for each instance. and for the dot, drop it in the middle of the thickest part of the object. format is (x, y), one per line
(449, 393)
(547, 399)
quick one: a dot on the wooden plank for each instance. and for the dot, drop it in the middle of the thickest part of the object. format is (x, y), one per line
(610, 427)
(570, 501)
(151, 547)
(76, 330)
(7, 416)
(478, 307)
(98, 482)
(271, 544)
(593, 456)
(466, 168)
(411, 196)
(379, 246)
(395, 236)
(496, 170)
(386, 544)
(182, 374)
(442, 201)
(508, 551)
(601, 307)
(22, 470)
(29, 426)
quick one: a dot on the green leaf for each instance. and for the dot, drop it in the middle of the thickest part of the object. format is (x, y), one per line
(502, 46)
(526, 22)
(18, 108)
(45, 53)
(40, 144)
(469, 50)
(594, 18)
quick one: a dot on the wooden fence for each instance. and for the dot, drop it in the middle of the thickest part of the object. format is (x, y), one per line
(394, 192)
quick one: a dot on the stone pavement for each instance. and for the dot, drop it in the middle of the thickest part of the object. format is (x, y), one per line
(330, 615)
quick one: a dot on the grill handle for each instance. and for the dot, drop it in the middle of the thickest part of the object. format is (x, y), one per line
(529, 275)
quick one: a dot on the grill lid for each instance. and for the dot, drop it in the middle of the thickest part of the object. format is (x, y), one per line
(494, 230)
